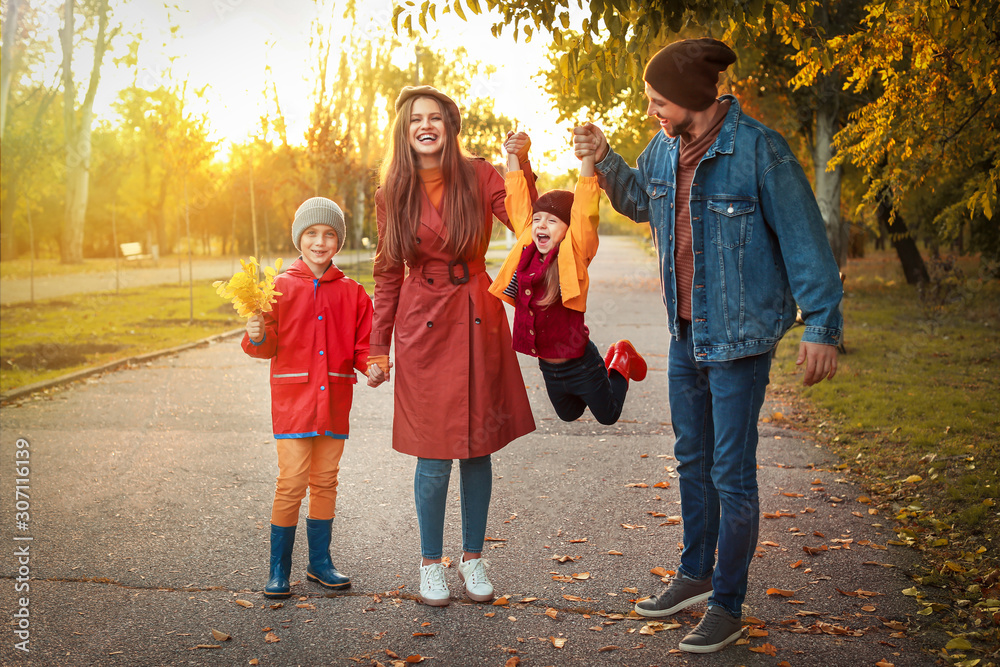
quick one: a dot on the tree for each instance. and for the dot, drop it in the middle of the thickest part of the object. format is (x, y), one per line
(77, 123)
(10, 29)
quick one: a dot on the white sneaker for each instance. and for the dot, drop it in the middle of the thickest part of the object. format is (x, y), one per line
(477, 584)
(433, 588)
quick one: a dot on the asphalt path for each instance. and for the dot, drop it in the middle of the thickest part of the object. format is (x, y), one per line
(149, 496)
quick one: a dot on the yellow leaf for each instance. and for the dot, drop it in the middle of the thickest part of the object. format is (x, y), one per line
(959, 644)
(913, 479)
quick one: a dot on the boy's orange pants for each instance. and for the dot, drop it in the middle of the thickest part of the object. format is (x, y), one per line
(303, 463)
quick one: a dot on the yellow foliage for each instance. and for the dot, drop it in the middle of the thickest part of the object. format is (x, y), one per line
(250, 295)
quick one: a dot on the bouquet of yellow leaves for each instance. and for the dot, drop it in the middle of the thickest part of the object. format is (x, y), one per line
(250, 295)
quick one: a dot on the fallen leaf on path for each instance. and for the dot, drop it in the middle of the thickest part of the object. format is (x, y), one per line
(276, 605)
(562, 578)
(758, 632)
(551, 612)
(796, 564)
(858, 593)
(660, 572)
(780, 591)
(253, 661)
(558, 642)
(959, 644)
(768, 543)
(615, 553)
(220, 636)
(605, 649)
(244, 603)
(812, 551)
(500, 601)
(582, 539)
(913, 479)
(512, 662)
(869, 608)
(662, 485)
(769, 649)
(671, 521)
(573, 598)
(414, 659)
(884, 663)
(271, 638)
(490, 614)
(639, 485)
(791, 494)
(424, 634)
(582, 576)
(565, 559)
(305, 605)
(633, 591)
(195, 648)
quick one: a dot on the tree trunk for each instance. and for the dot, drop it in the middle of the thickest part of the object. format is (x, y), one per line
(78, 133)
(828, 182)
(906, 248)
(7, 58)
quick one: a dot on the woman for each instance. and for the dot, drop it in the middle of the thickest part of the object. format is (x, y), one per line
(459, 392)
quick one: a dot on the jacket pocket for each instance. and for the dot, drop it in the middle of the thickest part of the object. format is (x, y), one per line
(289, 377)
(342, 378)
(732, 220)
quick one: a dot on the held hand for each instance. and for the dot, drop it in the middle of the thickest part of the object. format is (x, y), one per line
(820, 362)
(589, 140)
(255, 328)
(379, 370)
(518, 144)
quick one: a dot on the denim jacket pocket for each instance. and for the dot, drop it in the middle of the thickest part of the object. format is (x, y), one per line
(732, 220)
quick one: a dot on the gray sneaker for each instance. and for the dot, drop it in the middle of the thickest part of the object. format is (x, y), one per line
(715, 630)
(680, 593)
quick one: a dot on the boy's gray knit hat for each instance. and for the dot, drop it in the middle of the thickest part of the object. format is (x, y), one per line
(319, 211)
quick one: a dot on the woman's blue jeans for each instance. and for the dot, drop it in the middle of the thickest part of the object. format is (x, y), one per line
(714, 409)
(430, 492)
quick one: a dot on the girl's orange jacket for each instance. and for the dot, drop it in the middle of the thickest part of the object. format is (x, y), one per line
(576, 251)
(315, 337)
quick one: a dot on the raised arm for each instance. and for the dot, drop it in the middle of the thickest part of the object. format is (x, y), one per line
(517, 203)
(625, 187)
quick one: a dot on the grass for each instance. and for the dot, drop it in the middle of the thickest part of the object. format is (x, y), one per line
(915, 412)
(58, 336)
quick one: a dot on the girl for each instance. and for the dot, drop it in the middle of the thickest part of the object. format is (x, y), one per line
(316, 336)
(546, 281)
(459, 392)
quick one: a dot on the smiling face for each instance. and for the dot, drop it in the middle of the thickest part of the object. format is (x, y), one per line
(427, 131)
(547, 231)
(319, 244)
(675, 120)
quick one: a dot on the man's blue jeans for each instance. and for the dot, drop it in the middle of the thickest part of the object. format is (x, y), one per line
(714, 409)
(430, 492)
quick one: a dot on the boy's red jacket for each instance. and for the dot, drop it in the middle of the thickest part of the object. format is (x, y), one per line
(315, 336)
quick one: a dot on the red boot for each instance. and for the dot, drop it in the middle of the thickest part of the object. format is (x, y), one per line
(609, 356)
(628, 362)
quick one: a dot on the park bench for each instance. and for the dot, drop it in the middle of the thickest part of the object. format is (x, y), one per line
(133, 251)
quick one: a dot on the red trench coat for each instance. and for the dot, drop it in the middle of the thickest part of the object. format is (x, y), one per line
(315, 337)
(458, 391)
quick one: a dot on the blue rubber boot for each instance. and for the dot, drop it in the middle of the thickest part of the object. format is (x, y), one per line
(321, 569)
(282, 541)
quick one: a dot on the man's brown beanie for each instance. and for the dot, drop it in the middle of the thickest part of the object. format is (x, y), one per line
(687, 72)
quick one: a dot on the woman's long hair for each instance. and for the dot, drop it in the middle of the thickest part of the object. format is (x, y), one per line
(462, 210)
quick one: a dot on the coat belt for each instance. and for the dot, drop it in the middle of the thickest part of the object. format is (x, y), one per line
(457, 271)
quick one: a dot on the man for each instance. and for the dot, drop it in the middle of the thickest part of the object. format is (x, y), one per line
(741, 242)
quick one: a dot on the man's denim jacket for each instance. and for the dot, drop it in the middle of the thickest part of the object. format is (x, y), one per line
(759, 241)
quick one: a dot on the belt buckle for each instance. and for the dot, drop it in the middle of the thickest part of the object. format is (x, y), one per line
(458, 280)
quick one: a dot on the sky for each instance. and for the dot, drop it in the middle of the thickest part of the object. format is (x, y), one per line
(226, 44)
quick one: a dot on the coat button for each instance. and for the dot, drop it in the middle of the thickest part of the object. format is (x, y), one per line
(321, 353)
(418, 240)
(430, 324)
(531, 332)
(320, 317)
(527, 292)
(322, 387)
(430, 281)
(729, 210)
(478, 321)
(533, 351)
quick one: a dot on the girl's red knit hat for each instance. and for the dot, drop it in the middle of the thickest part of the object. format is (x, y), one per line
(557, 202)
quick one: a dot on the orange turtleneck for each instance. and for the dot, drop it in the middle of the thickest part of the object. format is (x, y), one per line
(433, 183)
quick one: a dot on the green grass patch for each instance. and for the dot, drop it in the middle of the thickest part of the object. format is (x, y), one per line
(58, 336)
(918, 392)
